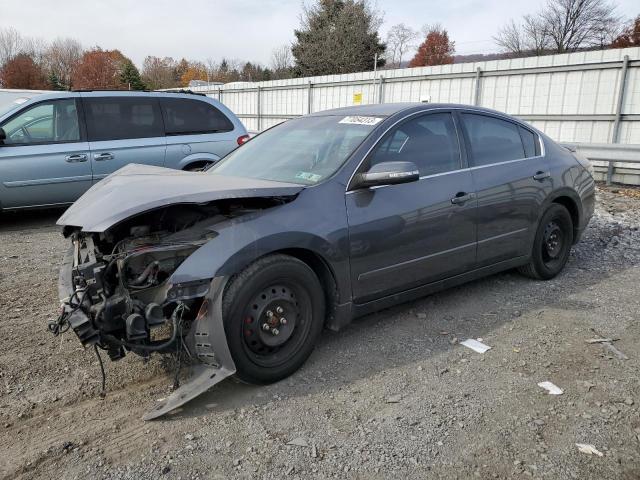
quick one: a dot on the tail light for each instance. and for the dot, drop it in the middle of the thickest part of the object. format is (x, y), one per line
(243, 139)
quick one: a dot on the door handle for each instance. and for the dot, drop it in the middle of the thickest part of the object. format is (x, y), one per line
(540, 176)
(462, 197)
(99, 157)
(80, 157)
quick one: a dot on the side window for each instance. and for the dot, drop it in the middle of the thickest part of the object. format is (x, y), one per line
(492, 140)
(183, 117)
(47, 122)
(429, 141)
(119, 118)
(529, 140)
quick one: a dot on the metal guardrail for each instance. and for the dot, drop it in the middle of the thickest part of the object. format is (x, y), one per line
(611, 154)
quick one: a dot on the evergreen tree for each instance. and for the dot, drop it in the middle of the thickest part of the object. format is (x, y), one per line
(130, 77)
(54, 82)
(337, 36)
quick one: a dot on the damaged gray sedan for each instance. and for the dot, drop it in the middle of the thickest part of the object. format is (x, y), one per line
(310, 224)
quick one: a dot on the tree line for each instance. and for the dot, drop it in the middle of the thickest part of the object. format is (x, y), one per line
(334, 36)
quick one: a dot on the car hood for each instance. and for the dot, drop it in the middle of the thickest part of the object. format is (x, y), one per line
(139, 188)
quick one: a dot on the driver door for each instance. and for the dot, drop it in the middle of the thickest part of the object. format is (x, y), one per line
(45, 158)
(406, 235)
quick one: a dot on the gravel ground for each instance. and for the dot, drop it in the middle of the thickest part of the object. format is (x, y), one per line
(392, 396)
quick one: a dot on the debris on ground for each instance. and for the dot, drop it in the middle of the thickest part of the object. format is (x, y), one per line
(475, 345)
(589, 449)
(551, 388)
(298, 442)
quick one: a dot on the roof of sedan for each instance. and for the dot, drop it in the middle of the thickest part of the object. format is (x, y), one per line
(387, 109)
(381, 109)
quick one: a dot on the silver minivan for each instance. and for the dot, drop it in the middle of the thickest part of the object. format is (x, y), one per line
(54, 146)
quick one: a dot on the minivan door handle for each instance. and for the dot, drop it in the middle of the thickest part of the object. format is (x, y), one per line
(99, 157)
(462, 197)
(80, 157)
(540, 176)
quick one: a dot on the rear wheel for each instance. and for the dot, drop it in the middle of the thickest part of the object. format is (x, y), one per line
(552, 244)
(273, 313)
(199, 166)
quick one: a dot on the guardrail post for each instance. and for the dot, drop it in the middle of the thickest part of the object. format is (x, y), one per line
(615, 136)
(220, 95)
(381, 90)
(259, 109)
(476, 93)
(309, 97)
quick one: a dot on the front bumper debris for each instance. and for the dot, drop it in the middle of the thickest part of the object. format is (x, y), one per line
(205, 340)
(209, 342)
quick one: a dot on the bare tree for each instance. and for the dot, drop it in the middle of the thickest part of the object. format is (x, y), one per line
(511, 38)
(562, 26)
(399, 41)
(281, 60)
(536, 36)
(572, 24)
(61, 59)
(10, 44)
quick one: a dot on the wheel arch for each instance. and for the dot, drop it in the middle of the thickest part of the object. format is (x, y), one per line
(569, 199)
(196, 158)
(325, 274)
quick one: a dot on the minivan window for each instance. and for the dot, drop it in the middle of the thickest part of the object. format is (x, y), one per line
(492, 140)
(429, 141)
(119, 118)
(183, 116)
(54, 121)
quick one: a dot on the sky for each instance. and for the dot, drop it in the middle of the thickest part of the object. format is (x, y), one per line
(243, 29)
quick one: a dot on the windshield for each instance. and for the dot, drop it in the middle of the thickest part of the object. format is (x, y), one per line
(10, 101)
(305, 151)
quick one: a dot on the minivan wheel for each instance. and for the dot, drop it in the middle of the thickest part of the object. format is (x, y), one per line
(198, 166)
(273, 313)
(552, 244)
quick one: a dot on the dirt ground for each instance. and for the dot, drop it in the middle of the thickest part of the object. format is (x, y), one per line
(393, 396)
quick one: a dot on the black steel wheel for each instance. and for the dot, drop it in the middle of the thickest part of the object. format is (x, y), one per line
(552, 244)
(273, 313)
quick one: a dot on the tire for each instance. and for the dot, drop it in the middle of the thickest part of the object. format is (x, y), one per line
(274, 288)
(552, 244)
(199, 166)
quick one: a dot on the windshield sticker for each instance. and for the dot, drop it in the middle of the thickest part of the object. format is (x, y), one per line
(311, 177)
(359, 120)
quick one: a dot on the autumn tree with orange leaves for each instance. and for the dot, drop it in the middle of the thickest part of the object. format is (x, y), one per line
(436, 49)
(630, 37)
(100, 70)
(22, 72)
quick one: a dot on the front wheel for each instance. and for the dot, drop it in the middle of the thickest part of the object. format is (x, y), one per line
(552, 244)
(273, 313)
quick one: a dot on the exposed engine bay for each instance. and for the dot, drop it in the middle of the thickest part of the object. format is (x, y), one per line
(120, 297)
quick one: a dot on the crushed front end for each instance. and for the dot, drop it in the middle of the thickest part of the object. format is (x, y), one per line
(117, 296)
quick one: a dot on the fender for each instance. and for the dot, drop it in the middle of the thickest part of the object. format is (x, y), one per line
(236, 247)
(196, 157)
(242, 239)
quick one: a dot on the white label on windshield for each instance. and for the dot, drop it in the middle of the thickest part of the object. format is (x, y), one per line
(359, 120)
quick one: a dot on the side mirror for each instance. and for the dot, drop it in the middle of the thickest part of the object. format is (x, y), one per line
(3, 135)
(387, 173)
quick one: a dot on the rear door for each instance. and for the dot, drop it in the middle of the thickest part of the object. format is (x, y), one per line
(403, 236)
(45, 158)
(196, 130)
(123, 130)
(511, 178)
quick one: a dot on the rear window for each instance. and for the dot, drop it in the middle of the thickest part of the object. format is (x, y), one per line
(492, 140)
(184, 117)
(119, 118)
